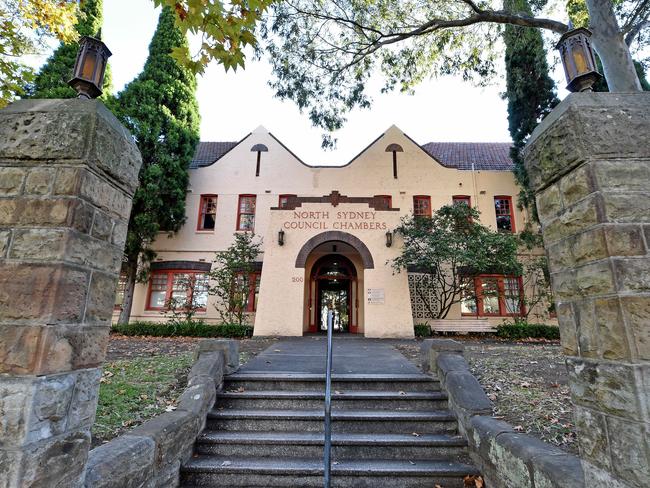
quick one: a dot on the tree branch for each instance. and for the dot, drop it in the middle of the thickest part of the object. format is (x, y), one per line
(634, 31)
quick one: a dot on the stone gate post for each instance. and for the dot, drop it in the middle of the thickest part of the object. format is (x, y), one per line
(68, 171)
(589, 163)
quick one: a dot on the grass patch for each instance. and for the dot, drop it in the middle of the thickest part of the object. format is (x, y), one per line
(134, 390)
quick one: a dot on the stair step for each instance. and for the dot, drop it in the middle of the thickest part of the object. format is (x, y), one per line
(344, 446)
(377, 399)
(292, 381)
(307, 472)
(352, 421)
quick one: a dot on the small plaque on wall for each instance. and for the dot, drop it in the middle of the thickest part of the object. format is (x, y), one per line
(376, 296)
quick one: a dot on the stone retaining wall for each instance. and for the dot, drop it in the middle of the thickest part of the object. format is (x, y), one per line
(506, 458)
(150, 455)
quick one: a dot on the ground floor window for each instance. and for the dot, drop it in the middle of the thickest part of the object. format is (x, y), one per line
(179, 289)
(119, 292)
(248, 289)
(493, 295)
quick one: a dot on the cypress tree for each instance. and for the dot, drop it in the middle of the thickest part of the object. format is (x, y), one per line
(530, 92)
(160, 109)
(52, 79)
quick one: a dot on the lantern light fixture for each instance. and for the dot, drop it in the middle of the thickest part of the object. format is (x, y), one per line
(578, 59)
(89, 67)
(281, 237)
(389, 238)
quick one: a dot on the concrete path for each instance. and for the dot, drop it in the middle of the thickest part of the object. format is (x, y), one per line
(350, 356)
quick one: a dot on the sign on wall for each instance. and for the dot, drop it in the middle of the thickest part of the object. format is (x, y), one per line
(375, 296)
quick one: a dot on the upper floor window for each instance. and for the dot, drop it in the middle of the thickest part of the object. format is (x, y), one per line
(283, 200)
(383, 202)
(462, 199)
(422, 206)
(246, 213)
(207, 212)
(504, 212)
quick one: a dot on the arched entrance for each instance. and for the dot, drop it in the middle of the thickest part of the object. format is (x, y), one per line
(334, 263)
(334, 289)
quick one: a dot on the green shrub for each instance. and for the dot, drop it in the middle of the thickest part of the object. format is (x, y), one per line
(194, 328)
(422, 330)
(525, 330)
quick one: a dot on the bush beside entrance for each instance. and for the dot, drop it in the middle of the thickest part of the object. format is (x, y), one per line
(525, 330)
(188, 329)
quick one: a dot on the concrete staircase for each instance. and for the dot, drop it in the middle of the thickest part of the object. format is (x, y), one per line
(390, 430)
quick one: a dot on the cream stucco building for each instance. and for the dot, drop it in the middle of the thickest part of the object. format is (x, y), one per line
(325, 230)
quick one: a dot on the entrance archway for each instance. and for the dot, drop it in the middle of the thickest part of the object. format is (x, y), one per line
(335, 235)
(335, 294)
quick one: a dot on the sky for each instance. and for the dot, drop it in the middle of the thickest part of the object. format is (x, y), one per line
(233, 104)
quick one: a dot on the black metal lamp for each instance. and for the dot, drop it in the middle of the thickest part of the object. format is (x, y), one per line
(89, 68)
(389, 238)
(281, 237)
(578, 60)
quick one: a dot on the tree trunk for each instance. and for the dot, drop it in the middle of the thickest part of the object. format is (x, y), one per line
(127, 303)
(611, 48)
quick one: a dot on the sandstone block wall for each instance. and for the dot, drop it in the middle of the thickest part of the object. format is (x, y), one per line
(504, 457)
(589, 163)
(151, 455)
(68, 172)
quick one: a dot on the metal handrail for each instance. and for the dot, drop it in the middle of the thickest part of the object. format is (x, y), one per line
(327, 460)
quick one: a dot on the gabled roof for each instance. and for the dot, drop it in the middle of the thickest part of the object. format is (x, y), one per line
(208, 152)
(494, 156)
(486, 156)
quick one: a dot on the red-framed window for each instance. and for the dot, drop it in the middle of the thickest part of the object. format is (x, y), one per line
(505, 213)
(494, 295)
(119, 292)
(422, 206)
(462, 199)
(251, 290)
(384, 202)
(179, 287)
(246, 213)
(207, 213)
(283, 200)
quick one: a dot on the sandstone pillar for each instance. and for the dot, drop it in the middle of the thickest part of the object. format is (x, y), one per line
(68, 171)
(589, 163)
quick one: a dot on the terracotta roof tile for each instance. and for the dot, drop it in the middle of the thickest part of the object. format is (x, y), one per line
(494, 156)
(208, 152)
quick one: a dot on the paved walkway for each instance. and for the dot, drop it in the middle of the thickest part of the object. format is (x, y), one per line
(350, 356)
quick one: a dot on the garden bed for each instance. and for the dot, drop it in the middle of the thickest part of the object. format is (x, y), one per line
(143, 376)
(526, 381)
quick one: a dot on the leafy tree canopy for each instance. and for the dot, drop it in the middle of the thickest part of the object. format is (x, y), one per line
(451, 247)
(226, 29)
(530, 92)
(325, 52)
(160, 109)
(26, 26)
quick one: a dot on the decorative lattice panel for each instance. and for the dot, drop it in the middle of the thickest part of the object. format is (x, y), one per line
(420, 293)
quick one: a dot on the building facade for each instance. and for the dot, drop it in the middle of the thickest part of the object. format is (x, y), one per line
(326, 232)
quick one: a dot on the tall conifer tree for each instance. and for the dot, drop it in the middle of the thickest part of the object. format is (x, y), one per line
(530, 92)
(160, 109)
(52, 79)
